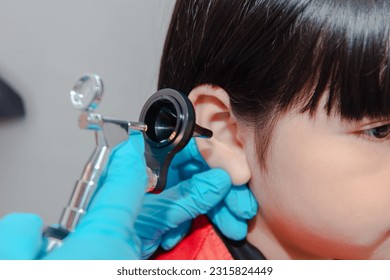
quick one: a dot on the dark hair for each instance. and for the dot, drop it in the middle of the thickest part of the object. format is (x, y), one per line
(270, 55)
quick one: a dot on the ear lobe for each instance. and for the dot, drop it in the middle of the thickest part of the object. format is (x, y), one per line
(223, 150)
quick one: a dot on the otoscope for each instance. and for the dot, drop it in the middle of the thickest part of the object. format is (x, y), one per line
(167, 121)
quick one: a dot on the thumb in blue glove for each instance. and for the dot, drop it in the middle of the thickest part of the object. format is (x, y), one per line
(20, 236)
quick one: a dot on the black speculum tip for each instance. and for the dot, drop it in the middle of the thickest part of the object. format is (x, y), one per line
(161, 120)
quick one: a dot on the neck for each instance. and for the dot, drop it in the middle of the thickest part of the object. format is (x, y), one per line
(263, 238)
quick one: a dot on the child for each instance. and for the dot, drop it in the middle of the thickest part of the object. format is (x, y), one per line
(297, 93)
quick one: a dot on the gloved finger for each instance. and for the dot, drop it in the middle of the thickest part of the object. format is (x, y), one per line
(179, 204)
(186, 163)
(174, 236)
(120, 198)
(231, 226)
(189, 154)
(21, 236)
(241, 202)
(182, 202)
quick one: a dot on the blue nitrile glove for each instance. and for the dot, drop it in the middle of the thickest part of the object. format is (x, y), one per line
(166, 218)
(20, 236)
(106, 231)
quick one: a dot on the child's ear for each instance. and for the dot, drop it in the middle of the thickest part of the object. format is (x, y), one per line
(225, 149)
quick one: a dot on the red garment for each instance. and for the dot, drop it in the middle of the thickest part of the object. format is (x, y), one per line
(203, 243)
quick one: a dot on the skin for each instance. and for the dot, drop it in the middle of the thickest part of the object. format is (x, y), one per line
(326, 191)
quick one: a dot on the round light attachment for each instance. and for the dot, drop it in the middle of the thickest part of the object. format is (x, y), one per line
(87, 92)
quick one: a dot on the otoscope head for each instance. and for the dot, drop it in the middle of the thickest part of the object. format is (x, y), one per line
(170, 119)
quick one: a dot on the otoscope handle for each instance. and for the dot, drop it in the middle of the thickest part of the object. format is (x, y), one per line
(109, 132)
(80, 199)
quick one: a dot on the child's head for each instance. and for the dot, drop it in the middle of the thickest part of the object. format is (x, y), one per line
(297, 93)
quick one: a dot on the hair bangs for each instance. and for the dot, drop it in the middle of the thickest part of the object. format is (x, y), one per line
(350, 59)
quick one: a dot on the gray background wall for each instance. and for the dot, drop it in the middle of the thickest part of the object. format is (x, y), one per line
(44, 46)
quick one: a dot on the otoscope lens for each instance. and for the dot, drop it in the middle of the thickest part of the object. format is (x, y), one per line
(161, 120)
(87, 92)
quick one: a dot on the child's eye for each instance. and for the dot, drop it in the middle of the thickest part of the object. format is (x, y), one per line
(378, 132)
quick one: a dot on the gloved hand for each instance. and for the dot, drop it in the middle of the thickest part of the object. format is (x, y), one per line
(106, 231)
(166, 218)
(20, 236)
